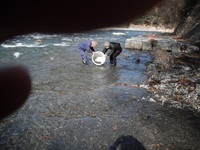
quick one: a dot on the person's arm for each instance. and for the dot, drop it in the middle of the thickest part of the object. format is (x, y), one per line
(92, 48)
(104, 50)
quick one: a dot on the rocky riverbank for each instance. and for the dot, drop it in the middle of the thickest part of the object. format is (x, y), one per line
(141, 28)
(174, 75)
(178, 85)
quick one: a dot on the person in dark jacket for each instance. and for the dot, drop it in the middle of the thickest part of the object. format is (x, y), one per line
(115, 50)
(86, 46)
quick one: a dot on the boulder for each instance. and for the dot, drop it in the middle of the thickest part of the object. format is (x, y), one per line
(133, 44)
(164, 43)
(175, 47)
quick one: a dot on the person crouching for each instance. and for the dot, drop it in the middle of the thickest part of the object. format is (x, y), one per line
(86, 46)
(115, 50)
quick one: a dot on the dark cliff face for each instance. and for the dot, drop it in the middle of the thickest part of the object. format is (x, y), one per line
(181, 15)
(167, 13)
(189, 25)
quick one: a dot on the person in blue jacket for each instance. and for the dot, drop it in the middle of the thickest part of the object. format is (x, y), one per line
(86, 46)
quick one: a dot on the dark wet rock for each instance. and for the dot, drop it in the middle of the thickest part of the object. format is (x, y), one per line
(198, 89)
(176, 47)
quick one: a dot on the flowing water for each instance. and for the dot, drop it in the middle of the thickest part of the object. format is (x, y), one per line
(87, 107)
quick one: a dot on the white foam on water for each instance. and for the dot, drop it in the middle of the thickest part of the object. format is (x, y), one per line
(100, 38)
(17, 54)
(113, 39)
(66, 39)
(41, 36)
(21, 45)
(118, 33)
(61, 44)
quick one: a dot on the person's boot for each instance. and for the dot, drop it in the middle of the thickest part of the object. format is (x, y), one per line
(84, 61)
(114, 63)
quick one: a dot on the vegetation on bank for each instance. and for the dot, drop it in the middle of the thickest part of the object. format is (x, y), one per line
(181, 15)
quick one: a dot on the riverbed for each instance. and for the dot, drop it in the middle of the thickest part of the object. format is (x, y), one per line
(74, 106)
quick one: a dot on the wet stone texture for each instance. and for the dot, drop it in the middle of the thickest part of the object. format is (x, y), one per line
(87, 107)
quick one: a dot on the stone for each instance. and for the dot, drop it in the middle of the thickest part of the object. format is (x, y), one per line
(146, 46)
(198, 89)
(192, 48)
(133, 44)
(163, 46)
(175, 47)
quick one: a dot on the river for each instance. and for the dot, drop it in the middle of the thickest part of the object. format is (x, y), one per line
(87, 107)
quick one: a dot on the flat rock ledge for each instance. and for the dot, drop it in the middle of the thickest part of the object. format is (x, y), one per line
(165, 43)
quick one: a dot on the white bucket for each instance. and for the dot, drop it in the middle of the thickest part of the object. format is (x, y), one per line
(98, 58)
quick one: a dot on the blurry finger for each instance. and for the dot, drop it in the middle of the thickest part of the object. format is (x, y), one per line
(69, 16)
(15, 87)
